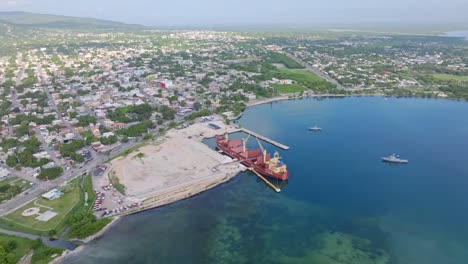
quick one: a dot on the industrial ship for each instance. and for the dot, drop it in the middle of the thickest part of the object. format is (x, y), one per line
(258, 159)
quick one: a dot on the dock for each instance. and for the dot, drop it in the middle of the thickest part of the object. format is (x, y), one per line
(266, 181)
(271, 141)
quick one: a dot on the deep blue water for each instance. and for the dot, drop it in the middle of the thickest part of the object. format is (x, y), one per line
(341, 204)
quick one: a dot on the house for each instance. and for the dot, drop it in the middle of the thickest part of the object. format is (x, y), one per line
(52, 194)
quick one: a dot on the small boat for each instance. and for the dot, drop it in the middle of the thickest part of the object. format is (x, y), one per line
(315, 129)
(394, 159)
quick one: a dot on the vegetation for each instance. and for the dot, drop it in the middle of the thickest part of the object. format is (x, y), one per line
(130, 114)
(63, 206)
(83, 225)
(11, 187)
(288, 88)
(196, 115)
(136, 130)
(116, 183)
(69, 150)
(51, 173)
(108, 140)
(451, 77)
(275, 57)
(13, 248)
(22, 119)
(167, 113)
(25, 157)
(86, 120)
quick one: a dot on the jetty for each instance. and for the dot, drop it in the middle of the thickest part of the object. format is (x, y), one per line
(266, 181)
(269, 140)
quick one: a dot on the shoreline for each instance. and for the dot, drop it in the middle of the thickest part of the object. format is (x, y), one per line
(167, 200)
(85, 241)
(192, 189)
(161, 193)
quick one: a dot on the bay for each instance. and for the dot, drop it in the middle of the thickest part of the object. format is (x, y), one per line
(341, 203)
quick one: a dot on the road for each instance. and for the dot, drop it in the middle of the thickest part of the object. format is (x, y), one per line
(27, 197)
(315, 70)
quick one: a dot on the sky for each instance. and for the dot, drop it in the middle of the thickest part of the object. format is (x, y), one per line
(254, 12)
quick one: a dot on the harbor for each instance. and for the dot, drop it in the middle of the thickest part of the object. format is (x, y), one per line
(155, 175)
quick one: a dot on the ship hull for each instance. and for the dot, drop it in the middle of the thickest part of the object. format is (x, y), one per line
(250, 162)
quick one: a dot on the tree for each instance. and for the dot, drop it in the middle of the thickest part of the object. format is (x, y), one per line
(11, 245)
(148, 136)
(12, 161)
(197, 106)
(5, 257)
(52, 233)
(124, 139)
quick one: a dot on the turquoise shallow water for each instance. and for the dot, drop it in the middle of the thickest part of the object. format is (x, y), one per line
(341, 204)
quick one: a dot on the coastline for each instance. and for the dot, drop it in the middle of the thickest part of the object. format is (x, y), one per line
(191, 189)
(85, 241)
(158, 189)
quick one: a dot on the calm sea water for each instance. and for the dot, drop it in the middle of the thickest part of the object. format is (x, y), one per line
(341, 204)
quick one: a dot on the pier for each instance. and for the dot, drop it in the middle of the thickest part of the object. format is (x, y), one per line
(266, 181)
(271, 141)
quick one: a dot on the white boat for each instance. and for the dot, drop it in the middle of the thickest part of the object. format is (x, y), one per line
(394, 159)
(315, 128)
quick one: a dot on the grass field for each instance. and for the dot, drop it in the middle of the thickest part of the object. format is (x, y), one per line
(299, 75)
(306, 78)
(62, 206)
(450, 77)
(42, 253)
(288, 88)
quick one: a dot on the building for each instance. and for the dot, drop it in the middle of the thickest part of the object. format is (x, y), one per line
(52, 194)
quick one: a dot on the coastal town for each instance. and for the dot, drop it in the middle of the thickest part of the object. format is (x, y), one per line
(93, 123)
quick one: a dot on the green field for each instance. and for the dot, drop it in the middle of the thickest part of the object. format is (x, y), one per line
(450, 77)
(63, 206)
(299, 75)
(18, 247)
(304, 77)
(288, 88)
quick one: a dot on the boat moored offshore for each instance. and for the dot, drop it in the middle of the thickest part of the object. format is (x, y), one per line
(394, 159)
(315, 129)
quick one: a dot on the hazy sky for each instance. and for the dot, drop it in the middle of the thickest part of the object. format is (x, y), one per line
(250, 12)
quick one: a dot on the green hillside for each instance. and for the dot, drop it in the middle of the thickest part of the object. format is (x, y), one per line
(30, 20)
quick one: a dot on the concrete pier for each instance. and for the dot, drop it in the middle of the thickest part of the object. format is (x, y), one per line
(271, 141)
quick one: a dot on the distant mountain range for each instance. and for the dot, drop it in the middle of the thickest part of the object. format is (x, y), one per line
(25, 20)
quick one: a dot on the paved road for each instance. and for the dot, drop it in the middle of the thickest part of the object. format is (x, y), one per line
(315, 70)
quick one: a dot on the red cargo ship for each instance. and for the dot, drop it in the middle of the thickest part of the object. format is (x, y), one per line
(257, 159)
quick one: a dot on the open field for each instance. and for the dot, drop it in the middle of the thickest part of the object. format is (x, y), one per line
(62, 206)
(288, 88)
(450, 77)
(305, 77)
